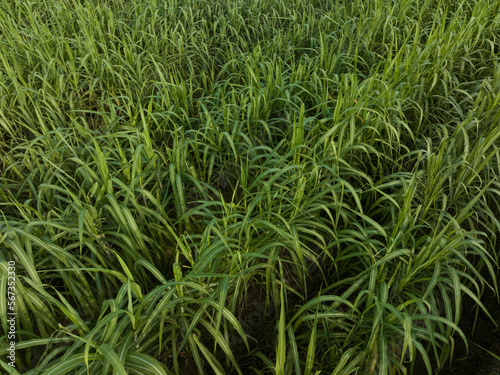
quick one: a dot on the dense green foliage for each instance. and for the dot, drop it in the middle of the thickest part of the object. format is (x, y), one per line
(246, 186)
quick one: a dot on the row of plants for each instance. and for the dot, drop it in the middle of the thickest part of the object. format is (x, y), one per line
(246, 187)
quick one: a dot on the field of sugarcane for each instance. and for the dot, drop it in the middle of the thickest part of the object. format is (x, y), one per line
(285, 187)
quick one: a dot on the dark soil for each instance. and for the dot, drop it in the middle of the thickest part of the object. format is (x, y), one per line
(483, 335)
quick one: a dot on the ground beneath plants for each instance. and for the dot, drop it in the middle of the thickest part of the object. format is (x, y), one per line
(483, 335)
